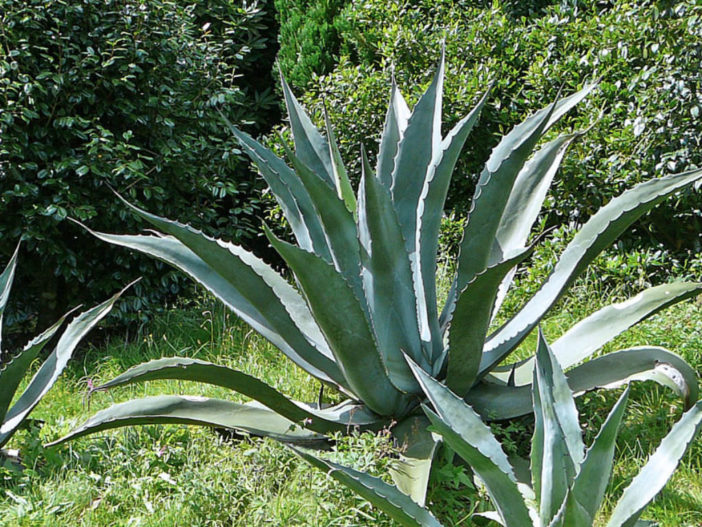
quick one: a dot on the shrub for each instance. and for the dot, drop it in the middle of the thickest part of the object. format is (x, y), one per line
(124, 93)
(646, 53)
(309, 40)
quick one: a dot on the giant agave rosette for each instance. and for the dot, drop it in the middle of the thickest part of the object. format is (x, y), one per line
(365, 268)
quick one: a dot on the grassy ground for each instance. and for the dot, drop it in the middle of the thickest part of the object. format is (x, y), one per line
(175, 476)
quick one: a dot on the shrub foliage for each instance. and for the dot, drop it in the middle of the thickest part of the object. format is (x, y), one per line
(309, 38)
(647, 55)
(125, 94)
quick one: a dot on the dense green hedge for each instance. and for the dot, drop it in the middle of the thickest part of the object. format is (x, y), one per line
(647, 55)
(125, 94)
(309, 39)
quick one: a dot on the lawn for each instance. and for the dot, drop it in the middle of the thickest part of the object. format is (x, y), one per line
(178, 475)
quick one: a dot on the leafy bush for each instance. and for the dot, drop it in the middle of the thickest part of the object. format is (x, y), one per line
(309, 40)
(125, 93)
(366, 299)
(646, 53)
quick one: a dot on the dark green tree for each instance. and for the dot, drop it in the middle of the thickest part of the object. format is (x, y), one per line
(309, 38)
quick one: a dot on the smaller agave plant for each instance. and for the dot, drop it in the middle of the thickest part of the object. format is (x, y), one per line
(14, 366)
(365, 288)
(567, 482)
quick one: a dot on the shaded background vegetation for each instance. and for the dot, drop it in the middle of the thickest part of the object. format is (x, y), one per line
(127, 93)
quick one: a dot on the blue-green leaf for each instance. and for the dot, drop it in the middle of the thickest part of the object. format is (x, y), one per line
(470, 323)
(185, 369)
(342, 319)
(432, 200)
(341, 177)
(417, 446)
(525, 201)
(479, 247)
(251, 289)
(500, 401)
(395, 125)
(310, 146)
(597, 234)
(52, 367)
(337, 222)
(557, 446)
(290, 193)
(179, 409)
(590, 484)
(594, 331)
(388, 285)
(13, 372)
(418, 146)
(658, 469)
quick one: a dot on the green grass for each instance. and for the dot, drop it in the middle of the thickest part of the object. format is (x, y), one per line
(176, 475)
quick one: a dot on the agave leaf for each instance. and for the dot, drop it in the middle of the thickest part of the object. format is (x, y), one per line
(50, 370)
(13, 372)
(432, 199)
(417, 446)
(599, 232)
(418, 146)
(590, 334)
(590, 484)
(395, 124)
(6, 279)
(479, 247)
(499, 401)
(491, 515)
(387, 498)
(343, 321)
(571, 514)
(658, 469)
(310, 146)
(184, 369)
(470, 438)
(176, 409)
(290, 194)
(529, 191)
(594, 331)
(341, 177)
(463, 420)
(388, 284)
(471, 321)
(557, 446)
(265, 301)
(256, 281)
(525, 201)
(337, 222)
(501, 487)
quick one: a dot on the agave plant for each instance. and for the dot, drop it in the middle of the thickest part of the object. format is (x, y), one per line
(14, 367)
(566, 484)
(365, 269)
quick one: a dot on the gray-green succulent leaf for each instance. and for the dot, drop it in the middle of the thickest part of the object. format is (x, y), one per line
(569, 482)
